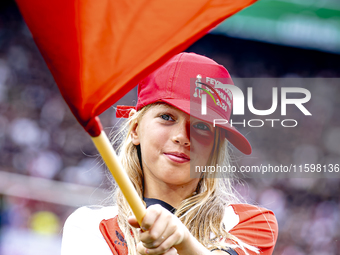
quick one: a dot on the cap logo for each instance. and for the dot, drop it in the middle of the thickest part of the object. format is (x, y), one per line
(199, 88)
(209, 90)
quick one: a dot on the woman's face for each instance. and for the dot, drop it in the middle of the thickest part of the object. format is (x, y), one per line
(170, 141)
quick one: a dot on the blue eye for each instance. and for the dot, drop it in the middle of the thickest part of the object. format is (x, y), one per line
(166, 117)
(202, 126)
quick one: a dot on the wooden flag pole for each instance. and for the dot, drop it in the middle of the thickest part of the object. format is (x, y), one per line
(110, 157)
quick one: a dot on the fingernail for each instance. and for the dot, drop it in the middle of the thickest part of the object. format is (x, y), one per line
(146, 251)
(143, 228)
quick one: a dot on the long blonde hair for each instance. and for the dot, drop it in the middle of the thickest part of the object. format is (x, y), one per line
(201, 213)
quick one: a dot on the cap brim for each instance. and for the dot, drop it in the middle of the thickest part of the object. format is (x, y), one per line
(194, 109)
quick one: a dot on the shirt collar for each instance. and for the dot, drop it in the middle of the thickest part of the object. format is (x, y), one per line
(153, 201)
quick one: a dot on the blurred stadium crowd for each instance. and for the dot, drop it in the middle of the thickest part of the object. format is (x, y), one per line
(40, 138)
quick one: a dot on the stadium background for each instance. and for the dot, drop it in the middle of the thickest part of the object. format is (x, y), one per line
(49, 167)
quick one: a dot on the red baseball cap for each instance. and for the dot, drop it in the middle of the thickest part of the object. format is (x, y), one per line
(182, 82)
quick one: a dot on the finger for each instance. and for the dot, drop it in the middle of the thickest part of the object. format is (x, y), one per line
(162, 228)
(153, 244)
(141, 249)
(133, 222)
(169, 230)
(152, 213)
(145, 251)
(171, 251)
(164, 246)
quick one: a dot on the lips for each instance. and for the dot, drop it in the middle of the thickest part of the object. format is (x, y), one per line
(177, 157)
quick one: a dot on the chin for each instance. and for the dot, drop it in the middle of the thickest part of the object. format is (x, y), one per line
(178, 181)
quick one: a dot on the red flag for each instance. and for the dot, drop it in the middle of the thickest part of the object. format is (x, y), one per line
(98, 50)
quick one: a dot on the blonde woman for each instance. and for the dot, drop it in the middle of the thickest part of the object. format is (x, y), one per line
(173, 153)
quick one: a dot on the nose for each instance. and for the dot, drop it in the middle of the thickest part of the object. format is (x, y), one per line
(181, 134)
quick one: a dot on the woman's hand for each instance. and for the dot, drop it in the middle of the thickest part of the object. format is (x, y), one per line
(162, 232)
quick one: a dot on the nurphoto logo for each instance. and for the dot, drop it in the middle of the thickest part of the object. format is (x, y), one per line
(233, 98)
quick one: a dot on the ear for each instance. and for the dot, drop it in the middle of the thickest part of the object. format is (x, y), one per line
(134, 130)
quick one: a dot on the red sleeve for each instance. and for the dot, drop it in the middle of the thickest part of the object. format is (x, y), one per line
(113, 236)
(257, 227)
